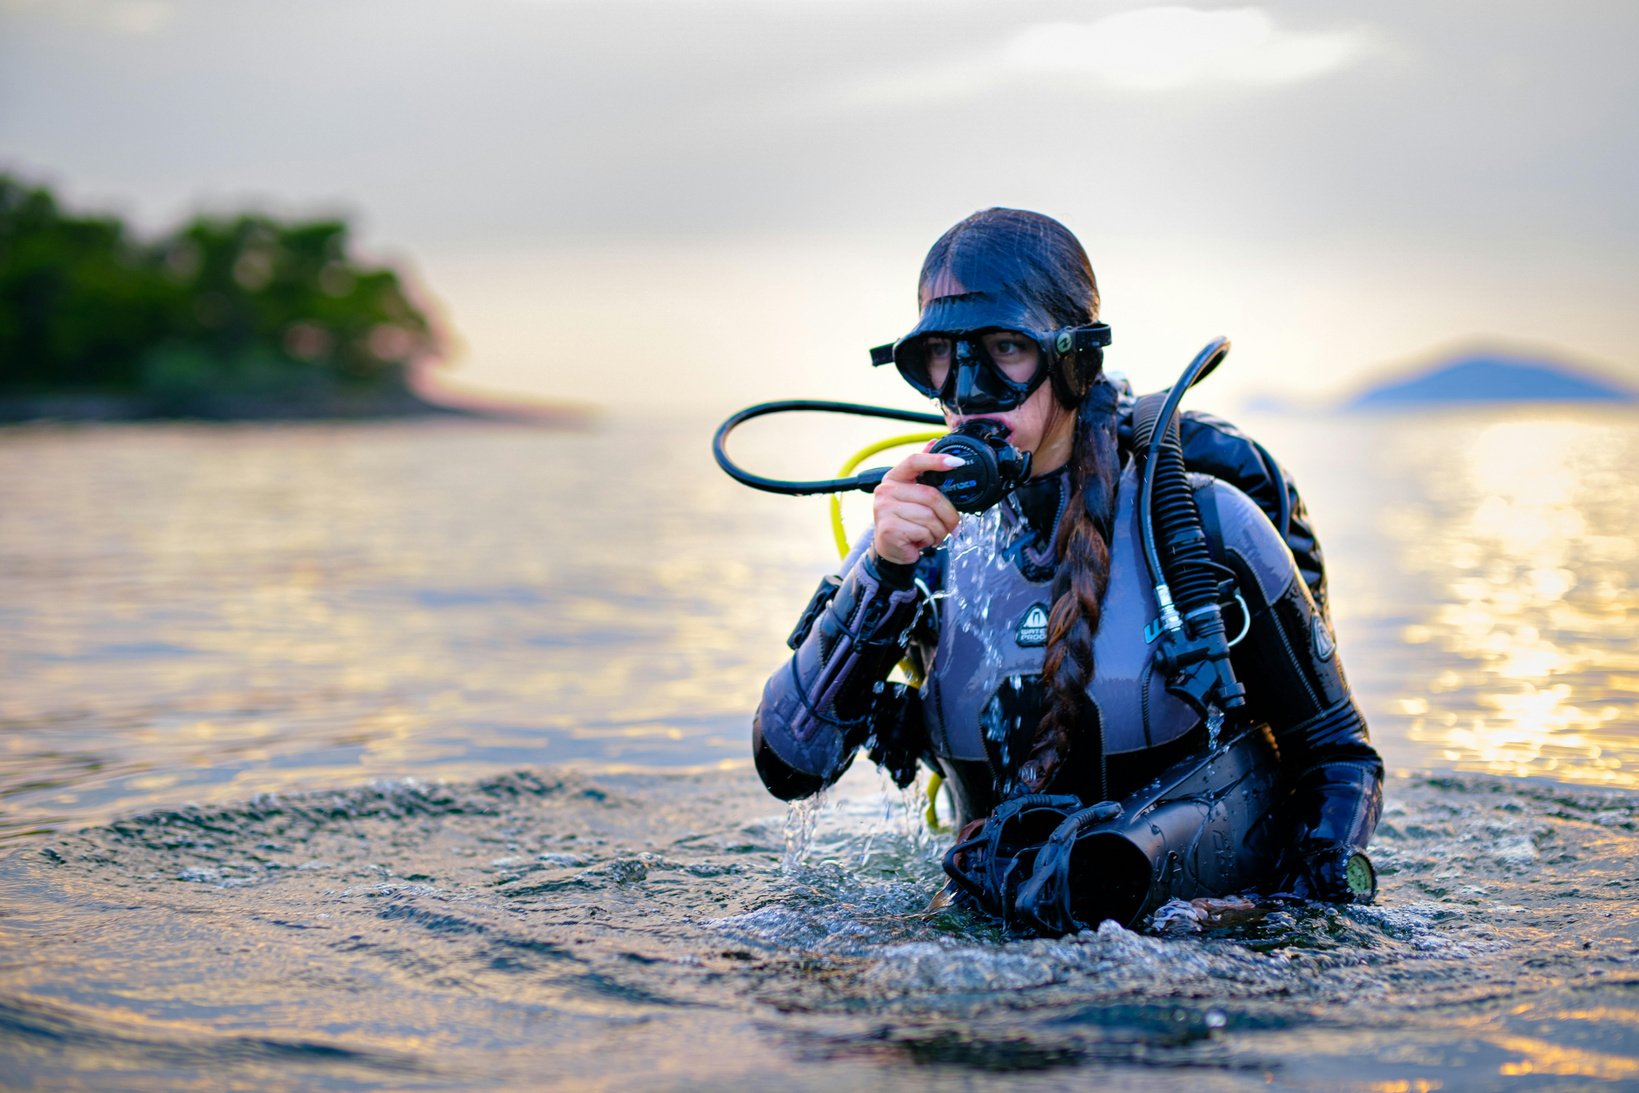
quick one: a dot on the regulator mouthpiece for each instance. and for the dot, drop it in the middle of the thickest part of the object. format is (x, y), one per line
(993, 467)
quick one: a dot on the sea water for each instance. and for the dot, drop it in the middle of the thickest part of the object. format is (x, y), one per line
(413, 756)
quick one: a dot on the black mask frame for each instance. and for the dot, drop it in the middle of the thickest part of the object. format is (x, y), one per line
(1072, 356)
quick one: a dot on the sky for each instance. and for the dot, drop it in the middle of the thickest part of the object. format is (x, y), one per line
(704, 203)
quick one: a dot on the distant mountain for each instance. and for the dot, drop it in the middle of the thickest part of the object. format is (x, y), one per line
(1493, 377)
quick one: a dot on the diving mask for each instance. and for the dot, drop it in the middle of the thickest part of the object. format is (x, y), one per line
(967, 355)
(973, 373)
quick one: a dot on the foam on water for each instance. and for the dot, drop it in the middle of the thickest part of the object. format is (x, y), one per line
(657, 930)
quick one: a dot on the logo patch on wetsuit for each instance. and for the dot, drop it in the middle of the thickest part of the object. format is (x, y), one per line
(1321, 635)
(1033, 627)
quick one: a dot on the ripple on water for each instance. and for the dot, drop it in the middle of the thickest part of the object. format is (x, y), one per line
(475, 935)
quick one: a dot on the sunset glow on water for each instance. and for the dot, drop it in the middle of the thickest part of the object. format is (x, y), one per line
(1508, 596)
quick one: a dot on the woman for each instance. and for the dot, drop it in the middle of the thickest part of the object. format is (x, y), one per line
(1010, 707)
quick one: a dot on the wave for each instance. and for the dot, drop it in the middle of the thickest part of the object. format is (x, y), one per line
(472, 934)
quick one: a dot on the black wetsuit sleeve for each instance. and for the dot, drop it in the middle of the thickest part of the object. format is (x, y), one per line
(817, 709)
(1294, 680)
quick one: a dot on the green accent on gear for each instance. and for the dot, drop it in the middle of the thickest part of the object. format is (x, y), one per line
(1360, 876)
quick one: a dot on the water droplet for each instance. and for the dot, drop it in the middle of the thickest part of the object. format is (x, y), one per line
(801, 817)
(1214, 724)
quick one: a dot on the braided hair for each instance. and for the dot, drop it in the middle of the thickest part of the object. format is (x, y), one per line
(1078, 592)
(1037, 259)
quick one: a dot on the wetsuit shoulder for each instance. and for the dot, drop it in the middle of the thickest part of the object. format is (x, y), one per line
(1239, 530)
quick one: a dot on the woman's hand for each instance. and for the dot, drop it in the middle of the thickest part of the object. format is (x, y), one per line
(909, 516)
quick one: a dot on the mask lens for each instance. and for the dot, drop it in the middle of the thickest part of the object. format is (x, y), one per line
(978, 372)
(1015, 357)
(925, 363)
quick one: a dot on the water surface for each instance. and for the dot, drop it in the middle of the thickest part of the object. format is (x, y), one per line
(414, 756)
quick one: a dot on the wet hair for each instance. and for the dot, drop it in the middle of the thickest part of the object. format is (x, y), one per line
(1034, 256)
(1037, 259)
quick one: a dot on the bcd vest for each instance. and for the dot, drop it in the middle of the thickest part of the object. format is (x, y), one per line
(983, 694)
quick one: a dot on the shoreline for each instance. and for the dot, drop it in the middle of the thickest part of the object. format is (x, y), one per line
(102, 408)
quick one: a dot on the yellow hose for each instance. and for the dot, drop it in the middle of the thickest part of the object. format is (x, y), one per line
(843, 546)
(931, 815)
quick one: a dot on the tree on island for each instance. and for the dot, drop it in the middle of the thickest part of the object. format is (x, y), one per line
(226, 316)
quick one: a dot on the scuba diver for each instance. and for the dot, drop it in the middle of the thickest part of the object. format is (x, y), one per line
(1108, 739)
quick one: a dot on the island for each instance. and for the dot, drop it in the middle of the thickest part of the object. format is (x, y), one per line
(1492, 377)
(227, 317)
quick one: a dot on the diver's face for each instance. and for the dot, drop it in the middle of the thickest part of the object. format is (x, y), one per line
(1039, 425)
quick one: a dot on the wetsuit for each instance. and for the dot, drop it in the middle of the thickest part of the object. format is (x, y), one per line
(972, 616)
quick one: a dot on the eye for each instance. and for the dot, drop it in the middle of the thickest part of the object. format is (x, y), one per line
(1014, 354)
(936, 353)
(1008, 346)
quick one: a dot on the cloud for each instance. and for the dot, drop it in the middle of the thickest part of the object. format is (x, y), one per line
(1144, 51)
(140, 16)
(1166, 48)
(131, 17)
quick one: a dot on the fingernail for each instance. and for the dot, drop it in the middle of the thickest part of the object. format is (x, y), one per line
(954, 461)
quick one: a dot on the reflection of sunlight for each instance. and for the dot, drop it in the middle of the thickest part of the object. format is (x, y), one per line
(1544, 1057)
(1533, 621)
(1535, 732)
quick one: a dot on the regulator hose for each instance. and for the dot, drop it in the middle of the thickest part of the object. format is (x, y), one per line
(865, 480)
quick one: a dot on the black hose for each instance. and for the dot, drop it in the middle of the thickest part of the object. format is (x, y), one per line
(1199, 368)
(866, 480)
(1194, 649)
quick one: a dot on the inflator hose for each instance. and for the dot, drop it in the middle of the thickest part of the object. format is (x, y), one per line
(1163, 438)
(1195, 647)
